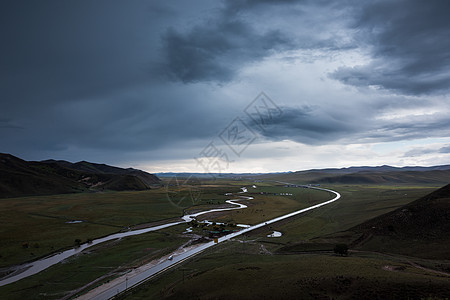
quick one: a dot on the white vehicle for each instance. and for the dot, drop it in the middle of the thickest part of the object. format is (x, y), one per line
(170, 257)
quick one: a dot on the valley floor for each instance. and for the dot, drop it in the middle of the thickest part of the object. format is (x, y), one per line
(299, 264)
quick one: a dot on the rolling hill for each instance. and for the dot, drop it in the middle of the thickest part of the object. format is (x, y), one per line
(420, 228)
(438, 175)
(23, 178)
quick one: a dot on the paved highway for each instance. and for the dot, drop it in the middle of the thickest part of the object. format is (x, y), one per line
(126, 282)
(28, 269)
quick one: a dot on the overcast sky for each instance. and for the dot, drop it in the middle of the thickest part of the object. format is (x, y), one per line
(176, 85)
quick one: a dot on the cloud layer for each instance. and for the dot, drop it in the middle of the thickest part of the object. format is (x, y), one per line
(408, 45)
(151, 82)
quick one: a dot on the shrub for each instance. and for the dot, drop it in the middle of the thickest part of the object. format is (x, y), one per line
(341, 249)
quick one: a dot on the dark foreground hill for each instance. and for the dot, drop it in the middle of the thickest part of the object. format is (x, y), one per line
(420, 228)
(22, 178)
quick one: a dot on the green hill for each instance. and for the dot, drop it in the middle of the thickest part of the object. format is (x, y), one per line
(23, 178)
(420, 228)
(368, 175)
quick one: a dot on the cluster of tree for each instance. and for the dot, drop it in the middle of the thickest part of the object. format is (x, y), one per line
(341, 249)
(27, 245)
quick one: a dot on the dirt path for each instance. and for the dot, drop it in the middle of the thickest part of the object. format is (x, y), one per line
(408, 261)
(264, 250)
(427, 269)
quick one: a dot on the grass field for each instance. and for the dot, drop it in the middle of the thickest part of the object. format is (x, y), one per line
(242, 272)
(357, 204)
(107, 260)
(241, 267)
(41, 220)
(270, 205)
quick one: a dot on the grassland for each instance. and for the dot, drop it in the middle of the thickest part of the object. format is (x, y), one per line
(42, 220)
(245, 272)
(242, 267)
(271, 204)
(104, 261)
(358, 203)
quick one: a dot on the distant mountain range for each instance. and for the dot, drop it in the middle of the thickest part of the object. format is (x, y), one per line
(384, 168)
(369, 175)
(22, 178)
(207, 175)
(438, 175)
(330, 175)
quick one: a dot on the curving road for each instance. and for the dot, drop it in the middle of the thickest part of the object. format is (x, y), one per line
(129, 281)
(28, 269)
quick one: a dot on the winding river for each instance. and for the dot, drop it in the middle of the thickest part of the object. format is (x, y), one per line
(28, 269)
(107, 291)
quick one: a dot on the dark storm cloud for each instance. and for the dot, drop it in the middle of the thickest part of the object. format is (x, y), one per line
(76, 77)
(54, 51)
(309, 125)
(407, 41)
(418, 152)
(7, 123)
(414, 127)
(57, 51)
(320, 125)
(409, 45)
(88, 79)
(104, 129)
(215, 52)
(235, 7)
(422, 151)
(238, 34)
(445, 149)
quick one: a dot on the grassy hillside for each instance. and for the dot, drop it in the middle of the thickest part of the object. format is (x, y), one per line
(301, 264)
(407, 177)
(235, 272)
(439, 175)
(18, 177)
(420, 228)
(253, 265)
(23, 178)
